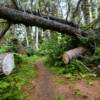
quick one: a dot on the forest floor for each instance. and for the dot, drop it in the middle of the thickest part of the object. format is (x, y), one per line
(48, 86)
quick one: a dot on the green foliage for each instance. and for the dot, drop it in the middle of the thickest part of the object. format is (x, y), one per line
(60, 81)
(77, 92)
(10, 46)
(29, 51)
(55, 47)
(59, 98)
(74, 68)
(11, 86)
(2, 50)
(6, 48)
(18, 58)
(97, 52)
(98, 5)
(13, 44)
(93, 59)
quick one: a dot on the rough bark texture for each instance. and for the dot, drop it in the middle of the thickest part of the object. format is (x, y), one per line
(74, 53)
(16, 16)
(6, 63)
(53, 18)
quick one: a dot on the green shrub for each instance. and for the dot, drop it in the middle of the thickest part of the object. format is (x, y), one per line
(29, 51)
(2, 50)
(55, 47)
(10, 46)
(76, 67)
(18, 58)
(11, 86)
(6, 48)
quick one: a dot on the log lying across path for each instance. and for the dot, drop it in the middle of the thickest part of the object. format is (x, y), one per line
(63, 21)
(6, 63)
(19, 17)
(73, 53)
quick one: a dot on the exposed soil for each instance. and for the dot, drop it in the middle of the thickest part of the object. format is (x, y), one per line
(42, 87)
(51, 87)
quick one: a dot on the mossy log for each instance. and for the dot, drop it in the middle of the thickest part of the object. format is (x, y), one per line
(6, 63)
(73, 53)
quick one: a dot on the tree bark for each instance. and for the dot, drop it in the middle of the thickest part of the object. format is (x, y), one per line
(63, 21)
(6, 63)
(15, 6)
(74, 53)
(20, 17)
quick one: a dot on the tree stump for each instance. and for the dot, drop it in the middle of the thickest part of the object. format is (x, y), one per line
(6, 63)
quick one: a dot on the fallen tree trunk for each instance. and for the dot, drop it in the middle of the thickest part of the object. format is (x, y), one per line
(73, 53)
(19, 17)
(63, 21)
(6, 63)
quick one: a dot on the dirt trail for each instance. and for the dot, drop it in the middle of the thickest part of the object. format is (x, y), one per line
(52, 87)
(44, 88)
(41, 88)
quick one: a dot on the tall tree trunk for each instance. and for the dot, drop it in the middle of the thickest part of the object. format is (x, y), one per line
(37, 37)
(85, 9)
(90, 10)
(96, 10)
(27, 41)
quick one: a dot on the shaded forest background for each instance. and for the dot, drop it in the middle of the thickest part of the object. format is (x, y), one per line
(63, 33)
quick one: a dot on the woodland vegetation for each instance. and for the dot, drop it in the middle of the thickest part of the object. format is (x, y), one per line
(62, 33)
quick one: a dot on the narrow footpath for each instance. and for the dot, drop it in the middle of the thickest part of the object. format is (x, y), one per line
(48, 86)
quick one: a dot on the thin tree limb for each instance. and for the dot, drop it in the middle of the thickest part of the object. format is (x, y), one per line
(5, 30)
(68, 11)
(15, 4)
(77, 8)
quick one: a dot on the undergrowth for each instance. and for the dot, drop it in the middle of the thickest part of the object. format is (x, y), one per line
(54, 48)
(11, 86)
(74, 70)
